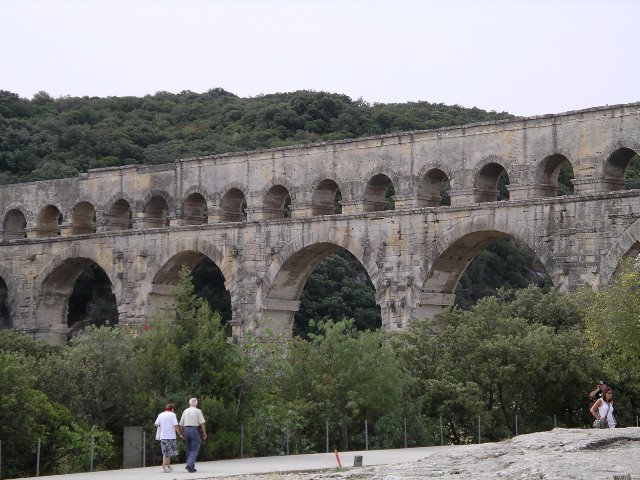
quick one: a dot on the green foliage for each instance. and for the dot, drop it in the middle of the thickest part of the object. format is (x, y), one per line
(76, 444)
(611, 316)
(185, 353)
(503, 263)
(342, 376)
(565, 186)
(14, 341)
(488, 362)
(27, 415)
(88, 378)
(46, 138)
(339, 287)
(632, 173)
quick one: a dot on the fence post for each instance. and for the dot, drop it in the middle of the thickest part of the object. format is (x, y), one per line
(555, 422)
(479, 438)
(327, 435)
(144, 449)
(516, 424)
(637, 424)
(91, 456)
(241, 441)
(441, 434)
(38, 459)
(287, 437)
(405, 432)
(366, 435)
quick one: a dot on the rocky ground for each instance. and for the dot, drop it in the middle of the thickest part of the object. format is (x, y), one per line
(559, 454)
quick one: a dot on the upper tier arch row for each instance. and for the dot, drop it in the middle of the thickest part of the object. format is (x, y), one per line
(453, 166)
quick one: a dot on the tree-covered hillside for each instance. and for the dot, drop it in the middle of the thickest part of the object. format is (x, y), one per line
(45, 138)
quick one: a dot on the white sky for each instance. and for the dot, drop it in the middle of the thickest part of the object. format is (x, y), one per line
(526, 57)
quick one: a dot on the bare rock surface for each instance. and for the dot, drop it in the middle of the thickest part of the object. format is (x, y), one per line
(560, 454)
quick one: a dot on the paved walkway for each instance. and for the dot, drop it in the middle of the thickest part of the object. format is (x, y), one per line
(245, 466)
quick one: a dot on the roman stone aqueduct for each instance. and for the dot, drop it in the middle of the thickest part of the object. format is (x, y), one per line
(139, 224)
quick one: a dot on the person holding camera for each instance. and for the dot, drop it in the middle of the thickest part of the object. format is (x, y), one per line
(602, 410)
(597, 393)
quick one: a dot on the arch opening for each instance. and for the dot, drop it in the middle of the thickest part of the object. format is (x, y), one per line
(379, 193)
(120, 216)
(277, 203)
(433, 189)
(156, 213)
(14, 226)
(76, 294)
(92, 301)
(321, 281)
(194, 210)
(207, 278)
(555, 176)
(621, 170)
(476, 266)
(326, 199)
(83, 219)
(5, 317)
(233, 206)
(49, 221)
(492, 184)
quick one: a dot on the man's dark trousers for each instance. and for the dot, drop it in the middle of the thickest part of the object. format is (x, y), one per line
(192, 442)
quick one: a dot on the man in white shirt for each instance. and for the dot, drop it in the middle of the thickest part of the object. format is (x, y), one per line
(168, 427)
(192, 427)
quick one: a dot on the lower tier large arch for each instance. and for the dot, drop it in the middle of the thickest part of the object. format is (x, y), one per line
(627, 244)
(449, 257)
(280, 290)
(54, 284)
(157, 289)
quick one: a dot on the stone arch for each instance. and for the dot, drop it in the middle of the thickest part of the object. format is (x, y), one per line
(374, 193)
(486, 177)
(156, 290)
(282, 181)
(28, 214)
(14, 224)
(194, 208)
(141, 204)
(83, 218)
(120, 215)
(55, 282)
(324, 196)
(625, 244)
(394, 176)
(615, 165)
(430, 185)
(48, 221)
(317, 179)
(449, 256)
(157, 209)
(276, 202)
(233, 204)
(280, 289)
(547, 175)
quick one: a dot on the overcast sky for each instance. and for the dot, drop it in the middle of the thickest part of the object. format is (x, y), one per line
(526, 57)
